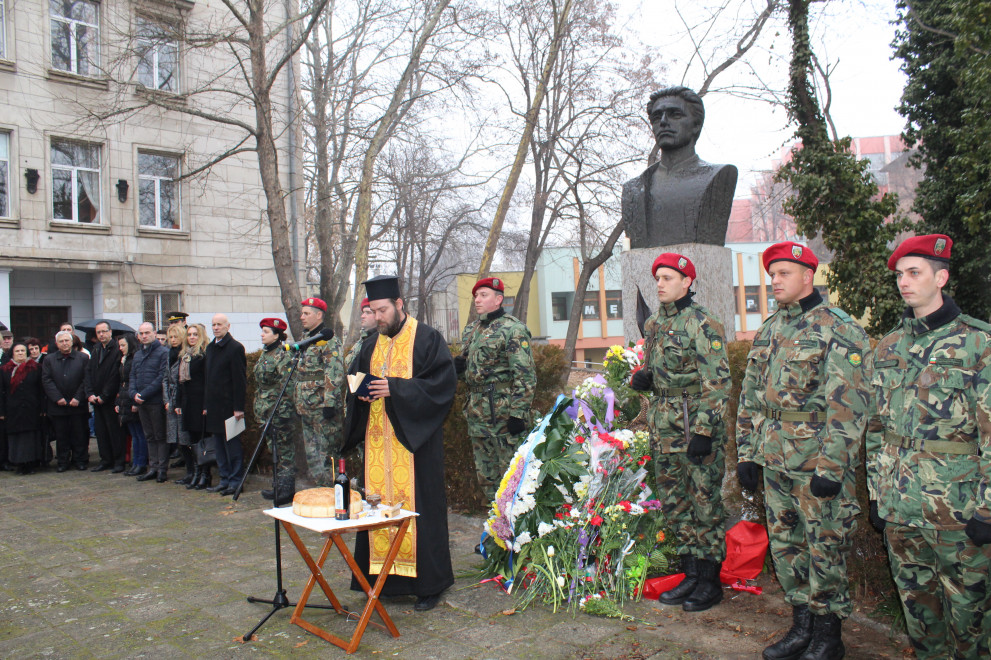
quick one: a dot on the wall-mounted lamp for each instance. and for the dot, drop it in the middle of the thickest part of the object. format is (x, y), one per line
(31, 176)
(122, 190)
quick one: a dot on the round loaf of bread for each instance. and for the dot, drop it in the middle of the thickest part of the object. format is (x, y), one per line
(314, 503)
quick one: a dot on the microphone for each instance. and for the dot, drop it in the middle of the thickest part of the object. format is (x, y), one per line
(325, 335)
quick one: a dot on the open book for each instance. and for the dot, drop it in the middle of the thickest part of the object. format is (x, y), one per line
(358, 383)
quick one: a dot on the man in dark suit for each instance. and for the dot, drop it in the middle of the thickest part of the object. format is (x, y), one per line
(62, 377)
(102, 385)
(226, 382)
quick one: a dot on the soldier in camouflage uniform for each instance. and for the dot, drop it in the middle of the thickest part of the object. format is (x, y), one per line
(270, 373)
(802, 414)
(928, 445)
(497, 364)
(687, 376)
(318, 394)
(367, 328)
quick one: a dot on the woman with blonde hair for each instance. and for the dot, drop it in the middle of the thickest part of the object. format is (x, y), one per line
(192, 383)
(176, 436)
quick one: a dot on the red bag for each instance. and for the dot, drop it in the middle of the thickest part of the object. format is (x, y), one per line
(654, 587)
(746, 548)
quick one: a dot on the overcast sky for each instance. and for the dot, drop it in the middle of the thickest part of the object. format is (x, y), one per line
(854, 36)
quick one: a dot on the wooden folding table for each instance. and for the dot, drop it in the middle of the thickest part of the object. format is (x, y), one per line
(333, 529)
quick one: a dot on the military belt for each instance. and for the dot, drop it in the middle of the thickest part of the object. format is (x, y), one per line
(485, 387)
(675, 392)
(311, 379)
(935, 446)
(793, 415)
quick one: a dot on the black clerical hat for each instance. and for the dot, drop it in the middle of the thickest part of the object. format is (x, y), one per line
(382, 286)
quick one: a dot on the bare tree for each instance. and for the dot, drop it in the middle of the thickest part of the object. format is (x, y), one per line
(239, 53)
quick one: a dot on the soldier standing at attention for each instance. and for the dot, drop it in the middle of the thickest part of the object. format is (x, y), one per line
(802, 414)
(687, 376)
(368, 326)
(497, 364)
(271, 370)
(928, 445)
(318, 378)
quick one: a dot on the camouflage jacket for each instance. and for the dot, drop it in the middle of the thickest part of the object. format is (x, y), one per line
(498, 352)
(355, 349)
(270, 371)
(686, 353)
(318, 376)
(929, 433)
(805, 391)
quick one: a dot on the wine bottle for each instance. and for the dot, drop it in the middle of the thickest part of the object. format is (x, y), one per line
(342, 493)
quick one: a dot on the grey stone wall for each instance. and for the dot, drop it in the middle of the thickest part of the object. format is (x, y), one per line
(713, 287)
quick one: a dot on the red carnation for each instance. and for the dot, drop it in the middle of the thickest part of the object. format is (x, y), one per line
(596, 520)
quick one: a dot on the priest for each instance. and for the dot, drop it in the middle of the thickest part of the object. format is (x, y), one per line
(400, 424)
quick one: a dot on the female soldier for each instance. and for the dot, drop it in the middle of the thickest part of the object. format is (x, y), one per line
(270, 372)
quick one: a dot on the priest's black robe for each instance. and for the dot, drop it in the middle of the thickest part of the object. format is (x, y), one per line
(416, 408)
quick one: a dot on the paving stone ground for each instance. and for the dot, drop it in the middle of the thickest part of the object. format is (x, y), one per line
(94, 565)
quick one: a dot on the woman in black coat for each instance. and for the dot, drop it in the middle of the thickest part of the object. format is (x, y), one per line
(22, 404)
(192, 386)
(128, 345)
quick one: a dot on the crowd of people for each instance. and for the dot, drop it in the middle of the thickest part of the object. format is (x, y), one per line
(144, 396)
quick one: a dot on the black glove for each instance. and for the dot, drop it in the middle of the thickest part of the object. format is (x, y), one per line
(699, 448)
(979, 532)
(823, 487)
(461, 363)
(642, 381)
(748, 474)
(329, 413)
(875, 519)
(516, 425)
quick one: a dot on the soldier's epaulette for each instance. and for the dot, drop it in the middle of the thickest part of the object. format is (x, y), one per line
(840, 314)
(975, 323)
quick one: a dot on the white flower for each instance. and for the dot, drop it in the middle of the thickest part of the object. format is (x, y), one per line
(550, 550)
(560, 580)
(543, 529)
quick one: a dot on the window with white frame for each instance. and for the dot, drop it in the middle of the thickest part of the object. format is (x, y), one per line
(75, 181)
(75, 36)
(156, 305)
(3, 29)
(4, 173)
(158, 191)
(158, 56)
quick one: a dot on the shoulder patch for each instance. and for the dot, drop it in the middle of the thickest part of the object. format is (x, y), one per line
(524, 344)
(856, 359)
(717, 345)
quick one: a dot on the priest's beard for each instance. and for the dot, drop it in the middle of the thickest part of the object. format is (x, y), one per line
(391, 326)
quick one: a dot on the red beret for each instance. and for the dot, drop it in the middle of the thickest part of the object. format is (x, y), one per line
(930, 246)
(275, 324)
(790, 251)
(676, 262)
(493, 283)
(315, 302)
(365, 303)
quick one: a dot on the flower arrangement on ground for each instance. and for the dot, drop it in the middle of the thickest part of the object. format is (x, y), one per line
(574, 523)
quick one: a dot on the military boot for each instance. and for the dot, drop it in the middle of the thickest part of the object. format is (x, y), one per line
(680, 594)
(827, 642)
(796, 640)
(708, 591)
(285, 489)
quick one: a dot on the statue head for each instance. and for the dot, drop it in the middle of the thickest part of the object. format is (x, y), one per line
(676, 117)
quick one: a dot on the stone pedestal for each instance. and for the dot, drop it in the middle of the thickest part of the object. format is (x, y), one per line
(713, 288)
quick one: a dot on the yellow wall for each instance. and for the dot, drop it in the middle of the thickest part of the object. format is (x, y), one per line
(512, 283)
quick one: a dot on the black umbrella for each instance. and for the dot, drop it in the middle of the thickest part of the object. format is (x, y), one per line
(116, 327)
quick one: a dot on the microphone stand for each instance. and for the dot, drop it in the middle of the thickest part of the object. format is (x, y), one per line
(279, 600)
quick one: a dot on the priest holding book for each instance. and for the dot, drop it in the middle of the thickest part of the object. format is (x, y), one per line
(400, 423)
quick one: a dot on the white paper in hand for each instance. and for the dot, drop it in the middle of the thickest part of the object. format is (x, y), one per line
(234, 427)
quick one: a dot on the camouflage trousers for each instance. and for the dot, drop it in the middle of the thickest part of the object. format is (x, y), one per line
(492, 456)
(810, 538)
(942, 579)
(320, 440)
(691, 502)
(282, 438)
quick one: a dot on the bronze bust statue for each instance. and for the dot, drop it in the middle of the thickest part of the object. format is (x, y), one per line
(680, 198)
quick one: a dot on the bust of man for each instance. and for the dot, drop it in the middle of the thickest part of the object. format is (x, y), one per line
(680, 198)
